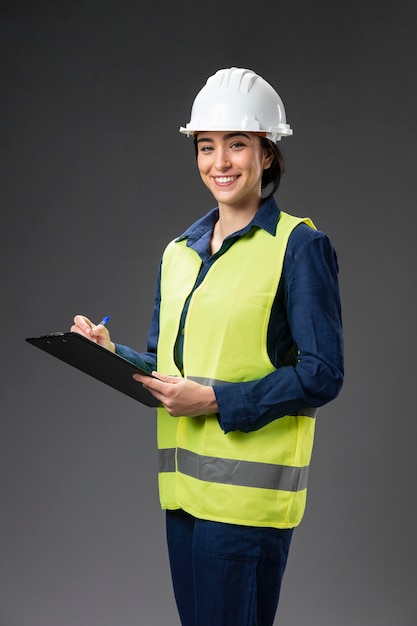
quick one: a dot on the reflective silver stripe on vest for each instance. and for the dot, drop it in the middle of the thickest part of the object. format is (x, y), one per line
(166, 457)
(234, 472)
(208, 382)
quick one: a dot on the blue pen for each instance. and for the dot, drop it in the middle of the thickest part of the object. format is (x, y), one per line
(104, 320)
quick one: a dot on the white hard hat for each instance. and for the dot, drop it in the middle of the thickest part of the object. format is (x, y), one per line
(237, 99)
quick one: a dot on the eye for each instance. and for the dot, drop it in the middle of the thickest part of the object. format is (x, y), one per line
(205, 149)
(237, 144)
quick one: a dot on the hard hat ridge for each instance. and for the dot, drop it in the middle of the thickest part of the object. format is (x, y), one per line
(238, 99)
(235, 78)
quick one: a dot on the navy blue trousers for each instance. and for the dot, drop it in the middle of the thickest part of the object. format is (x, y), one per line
(225, 574)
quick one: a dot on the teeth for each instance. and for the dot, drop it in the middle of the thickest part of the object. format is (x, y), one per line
(225, 179)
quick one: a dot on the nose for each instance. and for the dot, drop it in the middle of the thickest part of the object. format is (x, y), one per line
(222, 160)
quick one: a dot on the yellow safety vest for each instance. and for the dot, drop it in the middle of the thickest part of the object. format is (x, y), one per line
(257, 478)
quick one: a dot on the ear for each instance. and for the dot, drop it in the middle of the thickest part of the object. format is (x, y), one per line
(268, 157)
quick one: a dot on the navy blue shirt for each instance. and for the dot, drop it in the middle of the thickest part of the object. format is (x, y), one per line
(304, 339)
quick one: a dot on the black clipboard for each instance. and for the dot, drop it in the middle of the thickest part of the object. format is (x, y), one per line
(89, 357)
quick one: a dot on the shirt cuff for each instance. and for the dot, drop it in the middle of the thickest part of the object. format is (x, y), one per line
(232, 413)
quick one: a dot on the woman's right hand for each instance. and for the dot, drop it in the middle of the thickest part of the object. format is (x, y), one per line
(95, 332)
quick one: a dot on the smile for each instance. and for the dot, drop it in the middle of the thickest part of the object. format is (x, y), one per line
(223, 180)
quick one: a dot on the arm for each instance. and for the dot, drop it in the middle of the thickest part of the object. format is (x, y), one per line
(311, 304)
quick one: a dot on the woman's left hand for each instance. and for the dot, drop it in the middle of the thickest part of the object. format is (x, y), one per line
(179, 396)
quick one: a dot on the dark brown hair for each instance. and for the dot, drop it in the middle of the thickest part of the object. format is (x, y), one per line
(272, 176)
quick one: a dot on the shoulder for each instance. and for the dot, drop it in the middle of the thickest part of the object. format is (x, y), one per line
(307, 249)
(303, 238)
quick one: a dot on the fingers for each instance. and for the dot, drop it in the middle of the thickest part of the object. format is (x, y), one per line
(153, 383)
(179, 396)
(167, 379)
(83, 326)
(156, 384)
(95, 332)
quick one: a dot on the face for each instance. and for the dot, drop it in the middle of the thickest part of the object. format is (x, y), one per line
(231, 166)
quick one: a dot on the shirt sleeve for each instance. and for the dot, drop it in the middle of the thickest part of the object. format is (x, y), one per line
(311, 303)
(146, 360)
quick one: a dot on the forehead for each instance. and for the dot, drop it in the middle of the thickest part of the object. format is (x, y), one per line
(217, 135)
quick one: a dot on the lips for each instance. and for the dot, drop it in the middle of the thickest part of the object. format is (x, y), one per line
(224, 180)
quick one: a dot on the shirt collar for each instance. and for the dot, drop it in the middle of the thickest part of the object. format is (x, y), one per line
(266, 217)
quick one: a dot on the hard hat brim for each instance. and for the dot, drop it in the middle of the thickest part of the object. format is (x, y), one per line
(274, 134)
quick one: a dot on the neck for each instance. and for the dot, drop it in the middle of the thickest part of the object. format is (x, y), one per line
(230, 220)
(233, 218)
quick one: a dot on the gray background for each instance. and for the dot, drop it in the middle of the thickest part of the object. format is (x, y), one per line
(95, 180)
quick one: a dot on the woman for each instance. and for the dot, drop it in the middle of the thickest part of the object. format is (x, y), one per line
(245, 343)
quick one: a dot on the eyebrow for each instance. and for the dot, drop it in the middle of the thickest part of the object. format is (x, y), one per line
(227, 136)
